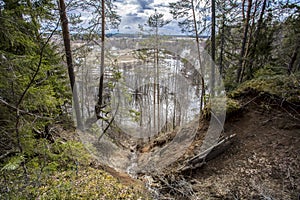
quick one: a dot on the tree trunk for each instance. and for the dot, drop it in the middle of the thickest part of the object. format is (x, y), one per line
(249, 43)
(157, 80)
(98, 107)
(199, 58)
(293, 59)
(67, 44)
(222, 46)
(154, 94)
(243, 9)
(213, 45)
(256, 36)
(245, 38)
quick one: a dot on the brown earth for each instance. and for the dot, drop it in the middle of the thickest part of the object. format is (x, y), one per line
(262, 163)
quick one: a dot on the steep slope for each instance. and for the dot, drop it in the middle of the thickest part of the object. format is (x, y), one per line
(262, 163)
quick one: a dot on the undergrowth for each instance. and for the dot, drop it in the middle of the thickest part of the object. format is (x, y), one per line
(266, 81)
(59, 170)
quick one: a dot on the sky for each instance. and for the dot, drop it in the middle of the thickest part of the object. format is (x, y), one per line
(135, 12)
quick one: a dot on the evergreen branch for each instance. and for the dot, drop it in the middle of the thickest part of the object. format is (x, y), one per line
(38, 67)
(22, 111)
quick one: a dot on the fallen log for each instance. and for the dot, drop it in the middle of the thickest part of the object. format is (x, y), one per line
(200, 159)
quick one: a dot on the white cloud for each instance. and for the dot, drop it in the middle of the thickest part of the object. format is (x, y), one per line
(135, 12)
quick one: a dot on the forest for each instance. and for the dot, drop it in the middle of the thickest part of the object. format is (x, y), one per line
(211, 112)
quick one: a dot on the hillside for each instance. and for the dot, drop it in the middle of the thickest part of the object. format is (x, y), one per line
(85, 114)
(262, 162)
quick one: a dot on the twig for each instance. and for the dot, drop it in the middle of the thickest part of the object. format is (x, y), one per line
(22, 111)
(109, 124)
(249, 101)
(8, 154)
(290, 114)
(38, 67)
(171, 187)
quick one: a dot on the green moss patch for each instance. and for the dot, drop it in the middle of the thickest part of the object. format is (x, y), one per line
(282, 86)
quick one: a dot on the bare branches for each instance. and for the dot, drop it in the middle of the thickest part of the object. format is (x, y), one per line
(209, 154)
(181, 186)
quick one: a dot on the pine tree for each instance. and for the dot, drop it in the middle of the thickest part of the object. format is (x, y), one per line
(33, 87)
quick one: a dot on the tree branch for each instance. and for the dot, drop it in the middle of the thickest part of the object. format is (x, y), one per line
(22, 111)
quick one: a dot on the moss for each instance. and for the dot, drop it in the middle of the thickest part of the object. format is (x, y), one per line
(60, 170)
(230, 105)
(282, 86)
(88, 183)
(81, 182)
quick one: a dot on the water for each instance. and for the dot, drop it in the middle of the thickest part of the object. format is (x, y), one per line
(133, 163)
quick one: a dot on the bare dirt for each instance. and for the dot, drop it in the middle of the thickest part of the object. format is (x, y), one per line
(262, 163)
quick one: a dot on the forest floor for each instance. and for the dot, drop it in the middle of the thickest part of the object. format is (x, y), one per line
(263, 161)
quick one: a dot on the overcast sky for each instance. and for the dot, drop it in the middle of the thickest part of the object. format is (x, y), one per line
(135, 12)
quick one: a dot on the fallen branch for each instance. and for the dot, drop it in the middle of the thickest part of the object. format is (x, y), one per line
(209, 154)
(8, 153)
(177, 187)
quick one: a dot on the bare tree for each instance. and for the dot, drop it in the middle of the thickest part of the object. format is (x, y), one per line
(156, 21)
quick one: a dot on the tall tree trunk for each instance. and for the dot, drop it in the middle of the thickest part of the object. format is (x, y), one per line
(98, 107)
(154, 94)
(157, 81)
(245, 38)
(213, 45)
(175, 89)
(222, 46)
(167, 107)
(249, 43)
(256, 36)
(243, 10)
(199, 58)
(67, 44)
